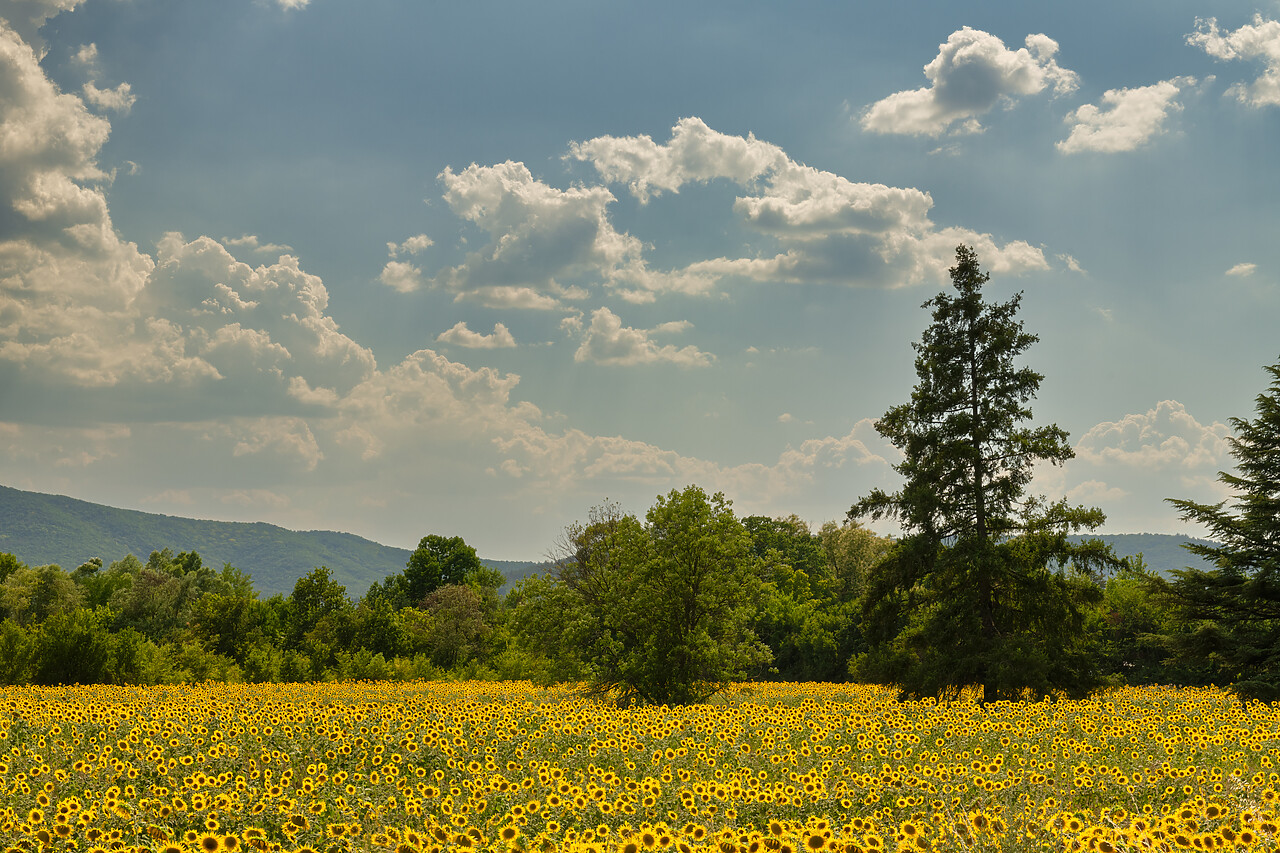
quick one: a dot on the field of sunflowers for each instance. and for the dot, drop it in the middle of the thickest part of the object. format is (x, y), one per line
(787, 768)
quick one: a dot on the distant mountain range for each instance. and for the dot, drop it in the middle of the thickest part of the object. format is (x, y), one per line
(40, 529)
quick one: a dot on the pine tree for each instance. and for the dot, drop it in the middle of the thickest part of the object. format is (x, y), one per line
(972, 597)
(1233, 609)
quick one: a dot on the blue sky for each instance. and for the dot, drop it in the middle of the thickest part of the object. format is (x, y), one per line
(400, 268)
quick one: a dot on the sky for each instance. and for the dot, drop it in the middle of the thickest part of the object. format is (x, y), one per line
(398, 268)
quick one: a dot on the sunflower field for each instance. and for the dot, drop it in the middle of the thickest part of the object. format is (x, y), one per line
(788, 768)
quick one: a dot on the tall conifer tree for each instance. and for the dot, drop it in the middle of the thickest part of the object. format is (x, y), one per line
(1233, 609)
(971, 596)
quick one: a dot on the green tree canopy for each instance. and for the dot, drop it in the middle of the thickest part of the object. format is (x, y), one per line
(1234, 608)
(971, 597)
(316, 595)
(33, 594)
(659, 611)
(437, 561)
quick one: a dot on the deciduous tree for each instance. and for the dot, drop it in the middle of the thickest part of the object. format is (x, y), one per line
(661, 611)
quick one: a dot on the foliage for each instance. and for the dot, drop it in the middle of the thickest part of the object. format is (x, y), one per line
(659, 611)
(807, 612)
(437, 561)
(974, 596)
(1234, 607)
(1134, 626)
(33, 594)
(316, 595)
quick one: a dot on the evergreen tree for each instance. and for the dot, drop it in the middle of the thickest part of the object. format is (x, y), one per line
(1233, 609)
(972, 596)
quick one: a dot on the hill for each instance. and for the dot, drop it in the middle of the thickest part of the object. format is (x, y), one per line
(1162, 552)
(40, 529)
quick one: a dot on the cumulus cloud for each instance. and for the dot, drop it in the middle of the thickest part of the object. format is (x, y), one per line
(235, 380)
(607, 341)
(253, 244)
(81, 308)
(833, 230)
(411, 246)
(557, 458)
(1127, 119)
(87, 56)
(66, 279)
(972, 73)
(120, 99)
(401, 276)
(541, 237)
(1243, 270)
(289, 437)
(1130, 466)
(26, 17)
(1259, 42)
(460, 335)
(1164, 437)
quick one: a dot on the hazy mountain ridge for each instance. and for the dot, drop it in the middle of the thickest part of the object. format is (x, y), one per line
(41, 529)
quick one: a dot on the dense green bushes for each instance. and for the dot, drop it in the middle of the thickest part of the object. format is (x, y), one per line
(173, 619)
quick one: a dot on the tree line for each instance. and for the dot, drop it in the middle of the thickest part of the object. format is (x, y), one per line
(988, 588)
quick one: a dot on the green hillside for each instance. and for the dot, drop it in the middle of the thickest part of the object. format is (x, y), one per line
(1162, 552)
(41, 529)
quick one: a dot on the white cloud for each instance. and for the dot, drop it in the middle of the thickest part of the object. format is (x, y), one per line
(1072, 264)
(26, 17)
(120, 99)
(833, 230)
(66, 279)
(1164, 437)
(412, 246)
(785, 418)
(1095, 493)
(541, 237)
(401, 276)
(87, 56)
(1259, 41)
(290, 5)
(1243, 270)
(696, 153)
(253, 244)
(607, 341)
(1127, 119)
(972, 73)
(461, 336)
(280, 436)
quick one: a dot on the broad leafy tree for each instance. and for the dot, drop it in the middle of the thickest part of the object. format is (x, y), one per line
(658, 611)
(31, 595)
(437, 561)
(979, 592)
(316, 596)
(1233, 609)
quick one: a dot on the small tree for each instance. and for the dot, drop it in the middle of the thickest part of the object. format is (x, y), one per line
(1233, 609)
(971, 597)
(660, 611)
